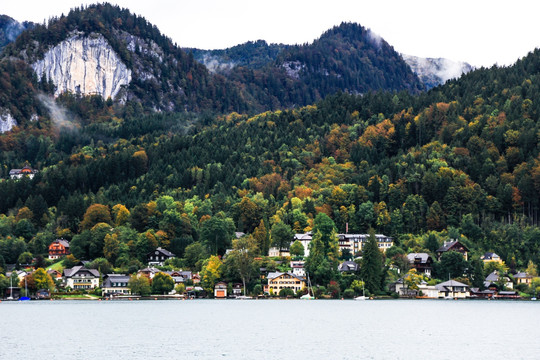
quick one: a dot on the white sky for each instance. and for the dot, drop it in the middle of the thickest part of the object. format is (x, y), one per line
(480, 32)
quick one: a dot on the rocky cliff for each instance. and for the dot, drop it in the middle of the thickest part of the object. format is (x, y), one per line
(7, 122)
(86, 65)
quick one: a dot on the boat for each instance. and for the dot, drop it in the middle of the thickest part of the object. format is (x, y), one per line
(363, 297)
(309, 295)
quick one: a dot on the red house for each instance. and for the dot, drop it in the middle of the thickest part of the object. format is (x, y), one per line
(58, 248)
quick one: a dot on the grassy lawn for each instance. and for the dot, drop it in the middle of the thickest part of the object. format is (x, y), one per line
(82, 296)
(59, 266)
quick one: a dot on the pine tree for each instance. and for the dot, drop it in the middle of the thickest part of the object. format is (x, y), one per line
(372, 265)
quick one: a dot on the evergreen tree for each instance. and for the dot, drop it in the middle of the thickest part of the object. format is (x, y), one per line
(372, 265)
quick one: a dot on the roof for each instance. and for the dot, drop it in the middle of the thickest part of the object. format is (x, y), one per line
(115, 278)
(348, 266)
(162, 251)
(424, 257)
(62, 242)
(77, 269)
(522, 275)
(449, 284)
(489, 256)
(239, 234)
(306, 236)
(364, 237)
(449, 245)
(274, 275)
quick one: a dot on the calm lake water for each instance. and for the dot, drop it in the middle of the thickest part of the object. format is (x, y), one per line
(270, 329)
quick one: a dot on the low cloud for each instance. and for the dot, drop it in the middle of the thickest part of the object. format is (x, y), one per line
(60, 117)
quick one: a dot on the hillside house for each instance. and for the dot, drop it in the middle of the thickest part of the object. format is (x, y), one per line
(355, 242)
(422, 262)
(115, 284)
(26, 171)
(159, 256)
(453, 245)
(58, 248)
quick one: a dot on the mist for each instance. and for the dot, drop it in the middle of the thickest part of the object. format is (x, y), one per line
(60, 118)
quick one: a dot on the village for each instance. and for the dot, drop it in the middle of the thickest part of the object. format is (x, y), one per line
(289, 280)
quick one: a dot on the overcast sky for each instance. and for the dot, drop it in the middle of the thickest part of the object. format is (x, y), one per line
(480, 32)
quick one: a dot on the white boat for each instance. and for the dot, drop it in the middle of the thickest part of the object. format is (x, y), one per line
(10, 297)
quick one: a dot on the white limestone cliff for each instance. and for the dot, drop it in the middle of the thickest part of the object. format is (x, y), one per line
(86, 65)
(435, 72)
(7, 122)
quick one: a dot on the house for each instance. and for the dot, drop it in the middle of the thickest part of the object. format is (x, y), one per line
(297, 267)
(159, 256)
(149, 272)
(453, 289)
(305, 240)
(348, 267)
(355, 242)
(196, 278)
(20, 274)
(237, 289)
(26, 171)
(482, 294)
(180, 277)
(220, 290)
(423, 290)
(239, 234)
(275, 252)
(453, 245)
(58, 248)
(491, 256)
(422, 262)
(492, 281)
(80, 278)
(523, 278)
(279, 280)
(55, 274)
(115, 284)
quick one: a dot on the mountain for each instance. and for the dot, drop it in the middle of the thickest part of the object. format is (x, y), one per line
(433, 72)
(348, 58)
(10, 29)
(105, 50)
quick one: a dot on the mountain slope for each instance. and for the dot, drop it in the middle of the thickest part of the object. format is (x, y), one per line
(10, 29)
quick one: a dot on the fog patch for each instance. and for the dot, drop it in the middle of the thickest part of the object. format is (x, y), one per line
(60, 117)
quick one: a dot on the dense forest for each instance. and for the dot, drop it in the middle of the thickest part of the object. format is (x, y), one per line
(458, 162)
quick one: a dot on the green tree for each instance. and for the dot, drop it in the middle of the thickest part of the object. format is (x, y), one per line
(217, 233)
(194, 255)
(139, 285)
(281, 235)
(297, 249)
(452, 265)
(242, 258)
(162, 283)
(372, 266)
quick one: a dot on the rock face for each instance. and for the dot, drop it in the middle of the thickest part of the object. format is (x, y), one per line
(7, 122)
(86, 65)
(435, 72)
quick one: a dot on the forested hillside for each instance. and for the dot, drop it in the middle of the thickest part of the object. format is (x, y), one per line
(460, 161)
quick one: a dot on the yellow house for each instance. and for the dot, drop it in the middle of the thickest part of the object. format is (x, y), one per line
(491, 256)
(523, 278)
(279, 280)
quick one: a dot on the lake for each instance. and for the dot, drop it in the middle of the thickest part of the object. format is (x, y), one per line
(270, 329)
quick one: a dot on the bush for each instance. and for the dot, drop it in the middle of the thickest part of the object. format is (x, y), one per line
(319, 291)
(286, 293)
(348, 293)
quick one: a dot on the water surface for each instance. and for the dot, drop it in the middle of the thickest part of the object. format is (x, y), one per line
(270, 329)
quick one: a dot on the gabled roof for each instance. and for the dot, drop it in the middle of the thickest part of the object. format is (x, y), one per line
(115, 278)
(161, 251)
(62, 242)
(447, 285)
(77, 269)
(306, 236)
(348, 266)
(489, 256)
(239, 234)
(275, 275)
(424, 257)
(522, 275)
(449, 245)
